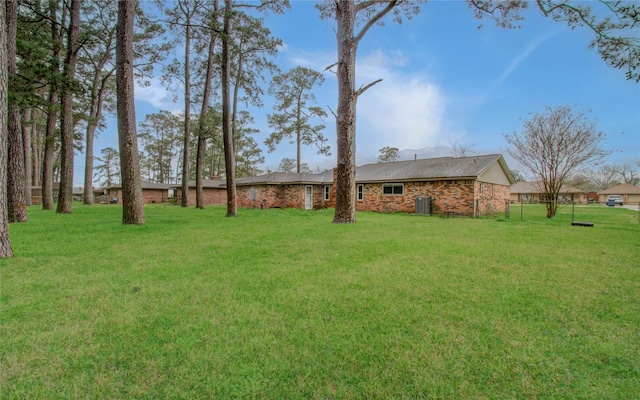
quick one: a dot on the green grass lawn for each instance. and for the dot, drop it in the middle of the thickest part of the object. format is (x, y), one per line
(285, 304)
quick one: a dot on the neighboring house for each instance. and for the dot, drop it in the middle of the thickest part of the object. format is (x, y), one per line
(36, 193)
(474, 185)
(151, 193)
(77, 193)
(630, 193)
(214, 192)
(533, 192)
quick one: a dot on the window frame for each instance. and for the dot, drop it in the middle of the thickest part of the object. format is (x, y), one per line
(360, 192)
(393, 187)
(327, 192)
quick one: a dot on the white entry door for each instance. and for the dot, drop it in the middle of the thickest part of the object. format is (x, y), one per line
(308, 197)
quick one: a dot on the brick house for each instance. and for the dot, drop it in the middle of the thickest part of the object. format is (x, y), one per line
(532, 192)
(151, 193)
(214, 192)
(630, 193)
(475, 185)
(36, 193)
(466, 185)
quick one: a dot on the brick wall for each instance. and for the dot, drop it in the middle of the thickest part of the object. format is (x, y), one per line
(258, 196)
(153, 195)
(458, 196)
(446, 196)
(282, 196)
(210, 197)
(148, 195)
(491, 198)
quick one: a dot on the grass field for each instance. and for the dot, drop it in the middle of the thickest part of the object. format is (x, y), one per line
(285, 304)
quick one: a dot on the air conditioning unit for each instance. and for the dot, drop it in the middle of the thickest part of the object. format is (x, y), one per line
(423, 205)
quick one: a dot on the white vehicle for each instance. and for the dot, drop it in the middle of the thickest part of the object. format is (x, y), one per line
(615, 199)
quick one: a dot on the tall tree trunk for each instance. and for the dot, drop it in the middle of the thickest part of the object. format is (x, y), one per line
(49, 149)
(52, 113)
(36, 149)
(202, 144)
(88, 165)
(97, 96)
(132, 200)
(346, 114)
(187, 115)
(16, 205)
(227, 131)
(65, 196)
(202, 141)
(298, 136)
(27, 127)
(5, 243)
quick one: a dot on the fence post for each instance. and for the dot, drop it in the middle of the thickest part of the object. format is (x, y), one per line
(521, 209)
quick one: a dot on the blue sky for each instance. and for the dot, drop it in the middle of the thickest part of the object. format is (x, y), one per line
(444, 81)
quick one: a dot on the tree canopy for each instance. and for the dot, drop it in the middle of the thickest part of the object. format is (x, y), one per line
(555, 143)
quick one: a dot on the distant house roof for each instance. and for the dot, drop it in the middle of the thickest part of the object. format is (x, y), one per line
(537, 187)
(623, 188)
(431, 169)
(54, 186)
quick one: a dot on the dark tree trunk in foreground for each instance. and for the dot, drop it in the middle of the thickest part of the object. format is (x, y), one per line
(5, 243)
(132, 200)
(16, 206)
(227, 131)
(65, 196)
(346, 16)
(346, 114)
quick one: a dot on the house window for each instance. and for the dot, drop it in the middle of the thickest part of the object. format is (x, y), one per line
(327, 190)
(360, 192)
(393, 189)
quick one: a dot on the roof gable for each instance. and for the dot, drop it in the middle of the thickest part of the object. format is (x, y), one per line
(283, 178)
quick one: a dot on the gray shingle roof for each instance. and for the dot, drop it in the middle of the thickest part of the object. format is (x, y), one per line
(282, 178)
(418, 170)
(427, 169)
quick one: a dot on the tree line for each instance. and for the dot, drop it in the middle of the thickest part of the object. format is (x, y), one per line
(68, 62)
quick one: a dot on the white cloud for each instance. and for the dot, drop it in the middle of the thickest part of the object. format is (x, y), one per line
(156, 95)
(405, 110)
